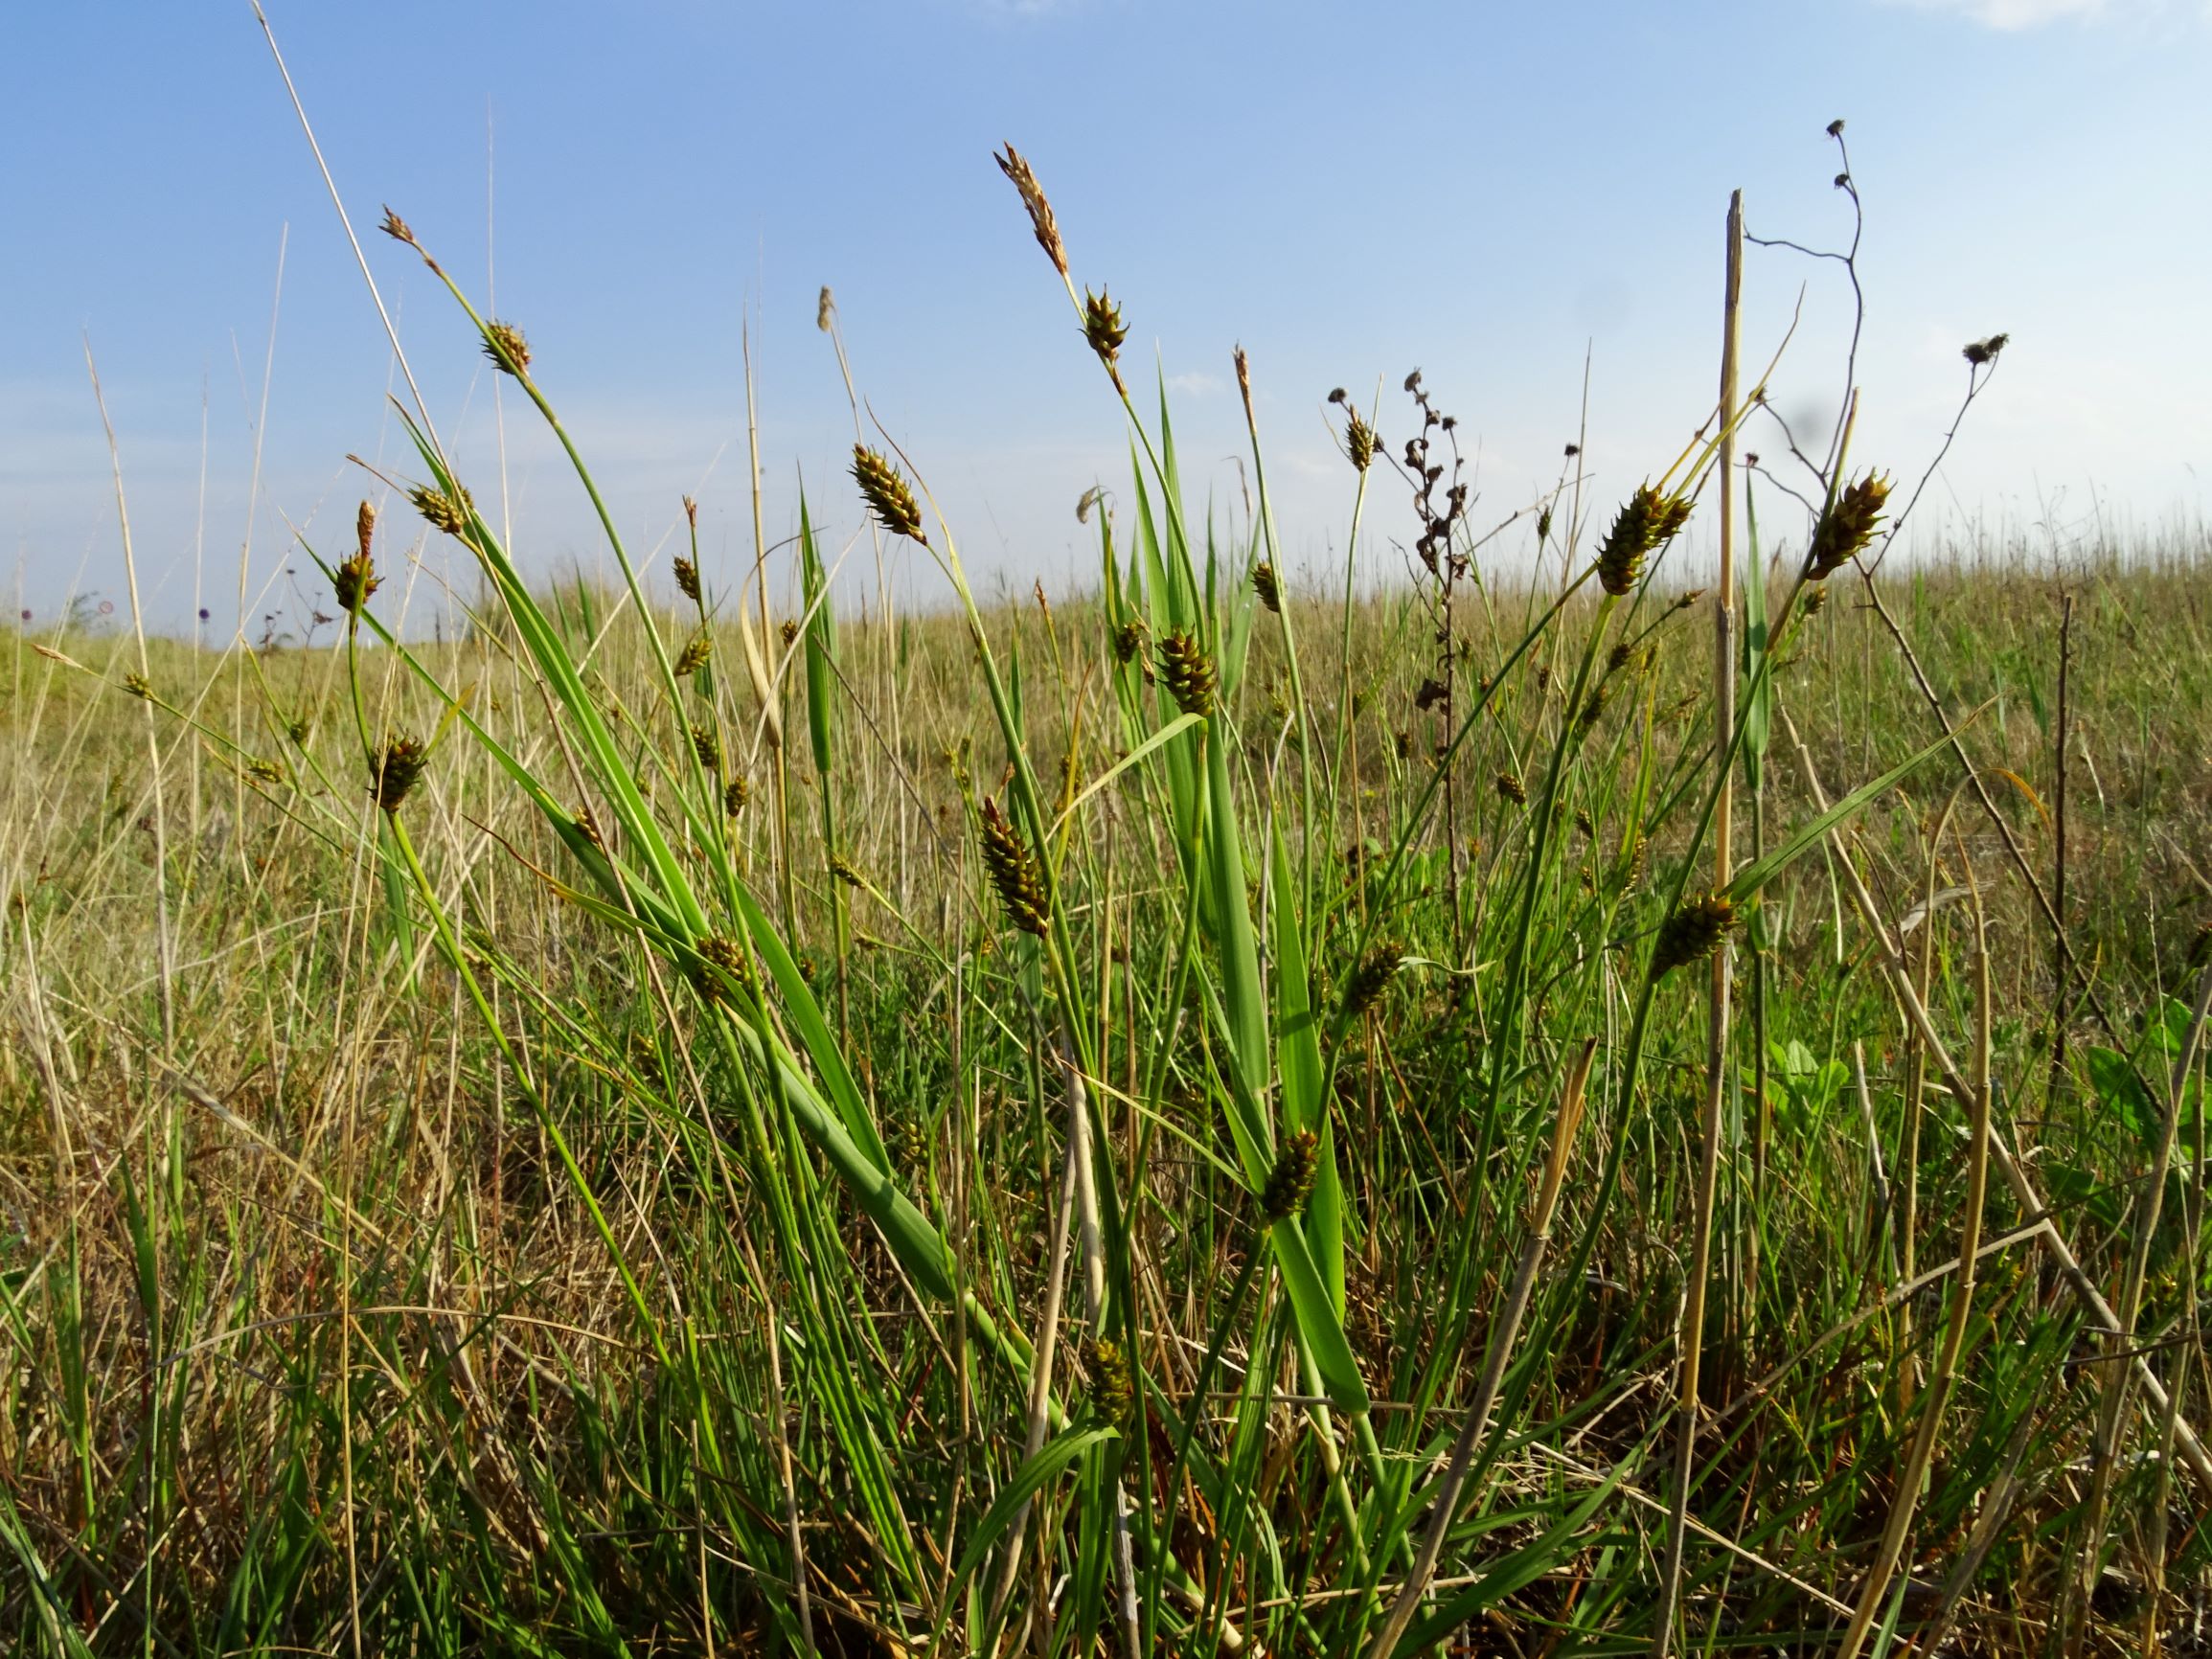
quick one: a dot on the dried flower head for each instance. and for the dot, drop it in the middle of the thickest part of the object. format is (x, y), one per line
(887, 494)
(787, 632)
(1015, 872)
(1112, 1389)
(1847, 526)
(687, 575)
(1981, 353)
(1835, 128)
(1189, 673)
(1264, 584)
(395, 228)
(1291, 1182)
(696, 650)
(1018, 170)
(1103, 327)
(505, 346)
(1693, 933)
(1646, 522)
(444, 511)
(824, 309)
(398, 769)
(1543, 525)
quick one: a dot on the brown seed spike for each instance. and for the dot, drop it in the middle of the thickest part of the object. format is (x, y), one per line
(395, 228)
(1266, 586)
(505, 346)
(1023, 177)
(687, 575)
(1847, 526)
(887, 494)
(443, 510)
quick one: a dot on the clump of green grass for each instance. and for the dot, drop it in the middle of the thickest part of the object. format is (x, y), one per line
(1146, 1160)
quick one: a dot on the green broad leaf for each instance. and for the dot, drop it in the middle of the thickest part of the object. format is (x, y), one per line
(1051, 1458)
(821, 646)
(1753, 877)
(2113, 1080)
(1318, 1323)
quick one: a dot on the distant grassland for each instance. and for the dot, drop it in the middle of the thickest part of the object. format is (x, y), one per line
(1193, 1117)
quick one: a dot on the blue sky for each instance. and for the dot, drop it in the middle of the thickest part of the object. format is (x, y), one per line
(1488, 192)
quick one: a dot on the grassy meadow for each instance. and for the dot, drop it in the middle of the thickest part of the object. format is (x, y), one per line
(1201, 1116)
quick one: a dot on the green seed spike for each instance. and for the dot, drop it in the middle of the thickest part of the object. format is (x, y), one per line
(1013, 872)
(1693, 933)
(1291, 1179)
(1646, 522)
(1188, 673)
(888, 495)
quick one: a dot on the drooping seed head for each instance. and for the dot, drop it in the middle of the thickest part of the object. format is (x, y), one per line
(1015, 872)
(687, 575)
(696, 650)
(1693, 933)
(1847, 526)
(1264, 584)
(887, 494)
(1023, 177)
(444, 511)
(395, 227)
(507, 349)
(398, 769)
(1291, 1182)
(1188, 673)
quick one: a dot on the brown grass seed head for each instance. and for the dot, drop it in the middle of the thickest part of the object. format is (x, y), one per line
(1023, 177)
(887, 494)
(696, 650)
(1372, 978)
(707, 746)
(734, 796)
(721, 959)
(687, 575)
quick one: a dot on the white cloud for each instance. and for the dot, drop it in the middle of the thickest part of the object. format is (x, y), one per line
(2012, 15)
